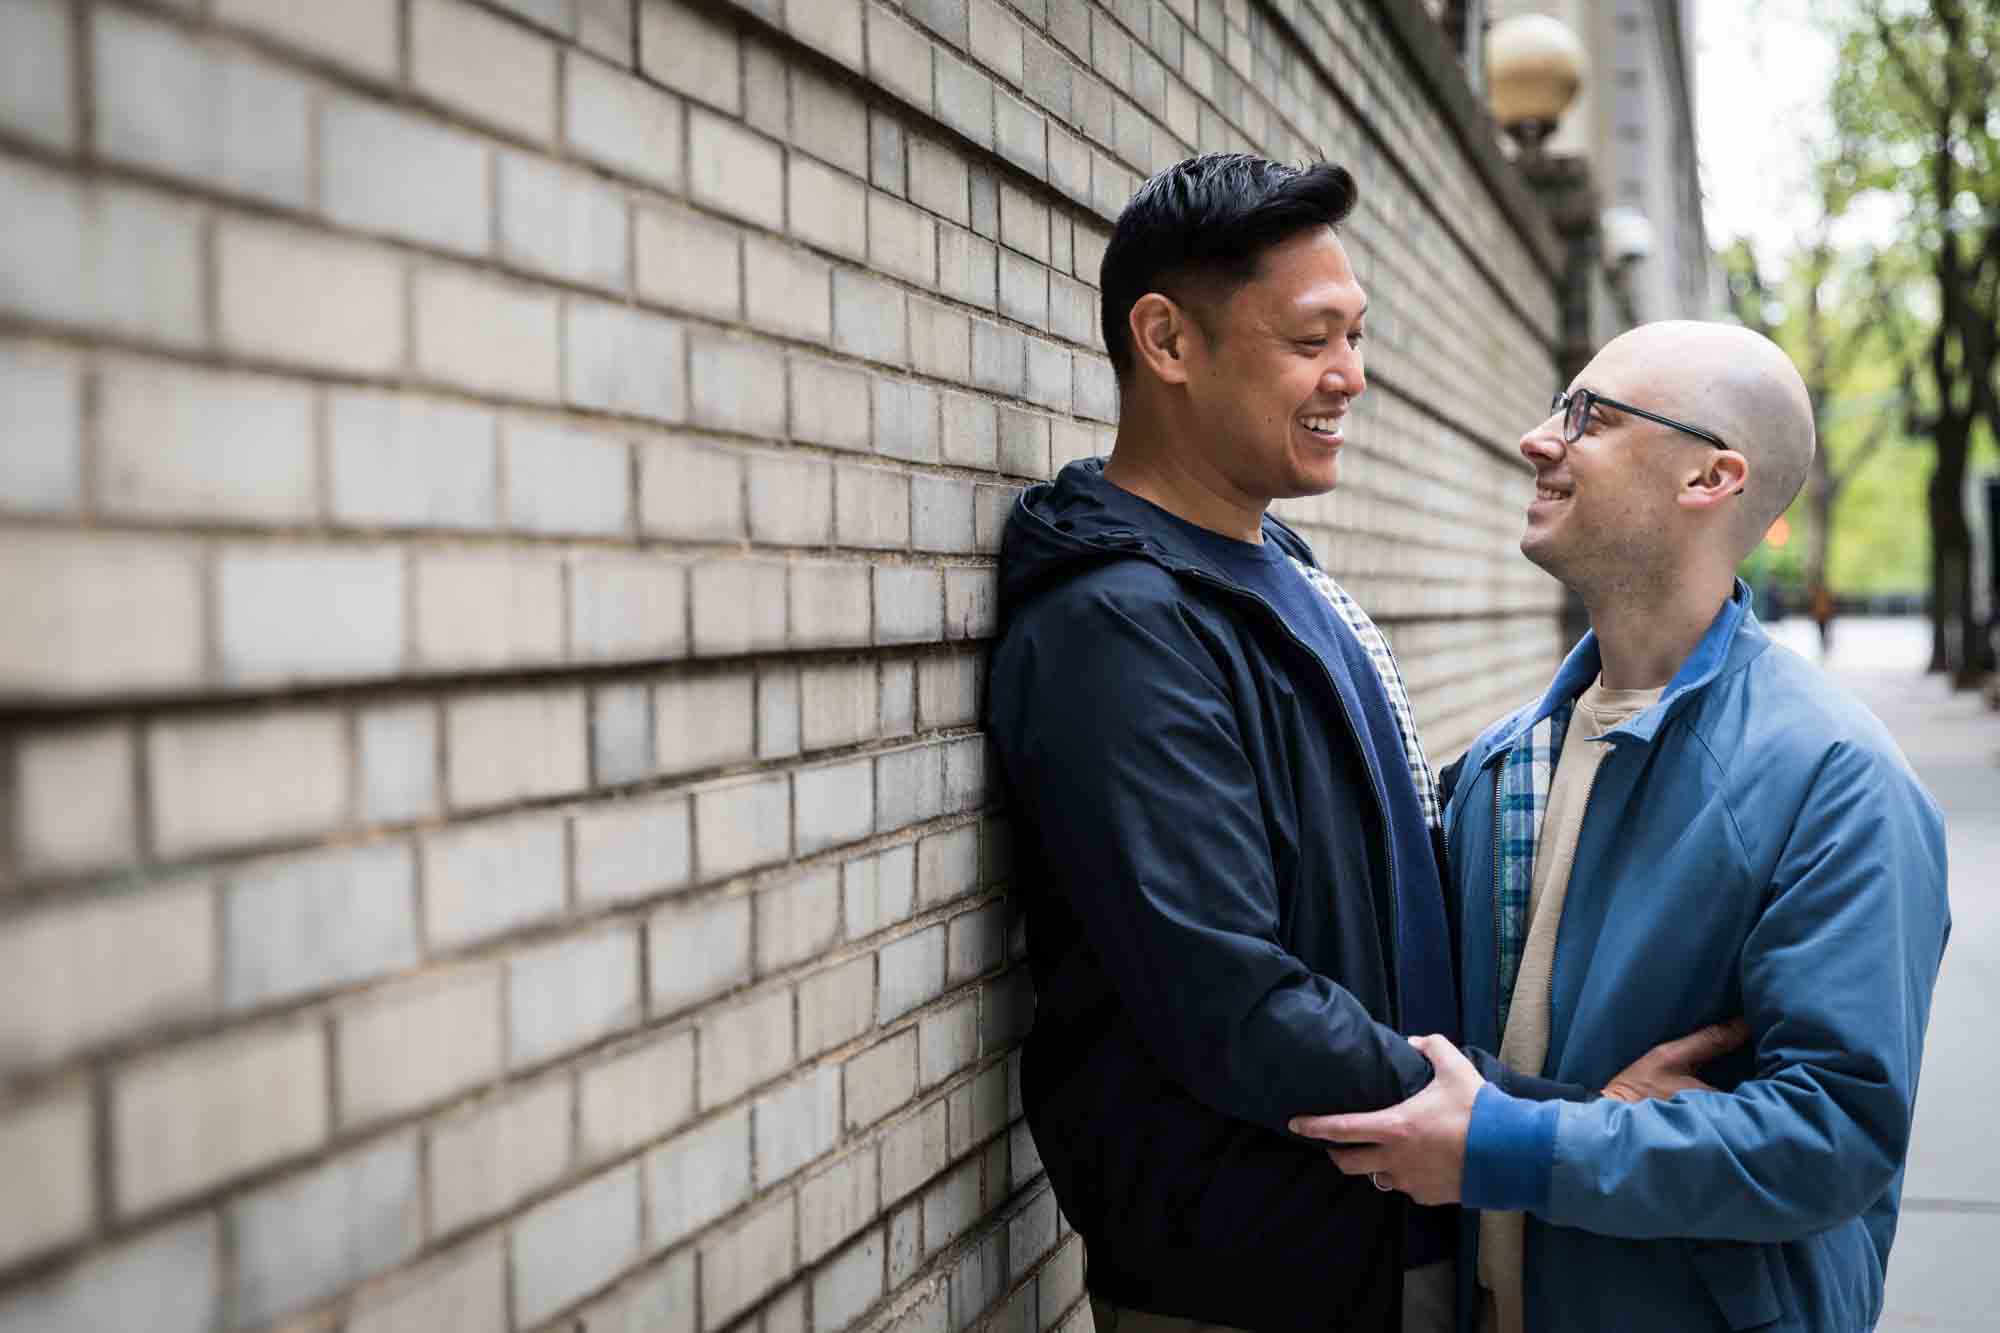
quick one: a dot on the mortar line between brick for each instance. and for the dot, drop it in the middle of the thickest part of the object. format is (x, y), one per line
(83, 81)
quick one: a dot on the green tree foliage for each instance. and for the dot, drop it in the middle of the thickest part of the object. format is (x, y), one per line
(1858, 525)
(1917, 119)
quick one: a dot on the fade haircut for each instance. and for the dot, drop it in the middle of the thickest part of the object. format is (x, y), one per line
(1196, 232)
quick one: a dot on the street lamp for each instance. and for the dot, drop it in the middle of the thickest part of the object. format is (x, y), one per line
(1534, 66)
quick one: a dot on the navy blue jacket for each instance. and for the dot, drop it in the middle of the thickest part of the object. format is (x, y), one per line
(1202, 859)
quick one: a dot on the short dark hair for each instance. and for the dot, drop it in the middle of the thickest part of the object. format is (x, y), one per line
(1210, 218)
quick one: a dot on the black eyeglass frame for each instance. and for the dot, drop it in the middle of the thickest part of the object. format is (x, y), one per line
(1576, 414)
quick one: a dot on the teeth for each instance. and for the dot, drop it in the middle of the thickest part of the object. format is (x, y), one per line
(1325, 425)
(1544, 493)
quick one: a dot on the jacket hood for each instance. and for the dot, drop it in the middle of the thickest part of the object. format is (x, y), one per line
(1060, 529)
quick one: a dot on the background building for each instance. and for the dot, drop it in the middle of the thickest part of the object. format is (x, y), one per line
(497, 514)
(1633, 123)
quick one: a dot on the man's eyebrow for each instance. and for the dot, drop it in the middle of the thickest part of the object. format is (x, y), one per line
(1334, 308)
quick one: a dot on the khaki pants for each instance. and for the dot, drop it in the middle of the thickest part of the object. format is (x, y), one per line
(1427, 1308)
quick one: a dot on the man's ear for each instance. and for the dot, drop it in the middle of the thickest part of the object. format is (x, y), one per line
(1726, 474)
(1161, 333)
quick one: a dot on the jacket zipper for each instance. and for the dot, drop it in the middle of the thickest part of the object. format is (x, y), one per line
(1381, 805)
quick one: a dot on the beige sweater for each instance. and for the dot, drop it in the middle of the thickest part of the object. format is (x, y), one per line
(1525, 1044)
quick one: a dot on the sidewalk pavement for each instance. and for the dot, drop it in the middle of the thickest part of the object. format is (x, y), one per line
(1942, 1273)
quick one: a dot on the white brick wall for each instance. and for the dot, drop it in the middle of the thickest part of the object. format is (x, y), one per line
(498, 507)
(835, 1203)
(318, 921)
(35, 95)
(571, 993)
(485, 1162)
(491, 71)
(73, 799)
(697, 951)
(748, 1260)
(466, 1287)
(636, 1097)
(313, 1235)
(405, 176)
(745, 1045)
(487, 878)
(197, 1117)
(484, 334)
(797, 920)
(797, 1124)
(165, 103)
(274, 603)
(514, 745)
(76, 975)
(486, 607)
(697, 1177)
(621, 122)
(575, 1243)
(266, 274)
(179, 445)
(45, 1154)
(235, 780)
(632, 850)
(416, 1043)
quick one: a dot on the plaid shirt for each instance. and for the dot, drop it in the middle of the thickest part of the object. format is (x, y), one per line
(1523, 798)
(1384, 662)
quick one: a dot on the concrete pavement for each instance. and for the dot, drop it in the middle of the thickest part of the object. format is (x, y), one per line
(1943, 1274)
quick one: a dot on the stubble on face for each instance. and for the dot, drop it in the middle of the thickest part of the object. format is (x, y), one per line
(1612, 537)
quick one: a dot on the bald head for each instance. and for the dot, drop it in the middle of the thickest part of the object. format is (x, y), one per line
(1735, 384)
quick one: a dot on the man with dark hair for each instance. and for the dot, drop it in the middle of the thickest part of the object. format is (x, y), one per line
(1224, 824)
(1691, 823)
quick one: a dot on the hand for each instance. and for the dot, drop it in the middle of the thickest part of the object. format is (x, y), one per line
(1417, 1147)
(1670, 1067)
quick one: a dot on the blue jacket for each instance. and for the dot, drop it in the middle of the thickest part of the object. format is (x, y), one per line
(1202, 861)
(1202, 852)
(1754, 844)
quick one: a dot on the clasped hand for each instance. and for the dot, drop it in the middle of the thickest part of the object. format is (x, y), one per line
(1418, 1146)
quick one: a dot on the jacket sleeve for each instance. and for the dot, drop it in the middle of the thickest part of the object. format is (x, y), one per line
(1527, 1087)
(1837, 978)
(1121, 743)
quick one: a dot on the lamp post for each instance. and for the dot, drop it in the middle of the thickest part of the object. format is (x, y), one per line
(1534, 67)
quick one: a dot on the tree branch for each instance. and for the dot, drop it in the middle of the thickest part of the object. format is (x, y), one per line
(1751, 309)
(1856, 461)
(1919, 88)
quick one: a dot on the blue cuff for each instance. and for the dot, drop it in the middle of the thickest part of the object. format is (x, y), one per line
(1510, 1152)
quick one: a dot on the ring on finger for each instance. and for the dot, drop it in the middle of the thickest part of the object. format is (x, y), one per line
(1375, 1179)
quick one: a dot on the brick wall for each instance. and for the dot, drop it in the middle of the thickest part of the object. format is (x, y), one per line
(497, 506)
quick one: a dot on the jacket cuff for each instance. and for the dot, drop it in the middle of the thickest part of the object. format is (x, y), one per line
(1510, 1153)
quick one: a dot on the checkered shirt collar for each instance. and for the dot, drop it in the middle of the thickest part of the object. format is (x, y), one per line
(1391, 676)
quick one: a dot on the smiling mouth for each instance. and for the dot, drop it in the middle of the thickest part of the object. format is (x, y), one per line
(1327, 428)
(1550, 493)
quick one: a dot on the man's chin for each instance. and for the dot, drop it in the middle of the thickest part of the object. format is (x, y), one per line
(1542, 552)
(1313, 481)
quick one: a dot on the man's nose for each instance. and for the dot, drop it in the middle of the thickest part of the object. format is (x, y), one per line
(1544, 442)
(1345, 375)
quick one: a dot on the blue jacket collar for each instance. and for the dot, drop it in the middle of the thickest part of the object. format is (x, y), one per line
(1733, 638)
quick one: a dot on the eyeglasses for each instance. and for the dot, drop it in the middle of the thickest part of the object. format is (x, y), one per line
(1576, 414)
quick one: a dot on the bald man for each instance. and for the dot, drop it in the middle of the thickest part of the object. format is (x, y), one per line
(1691, 824)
